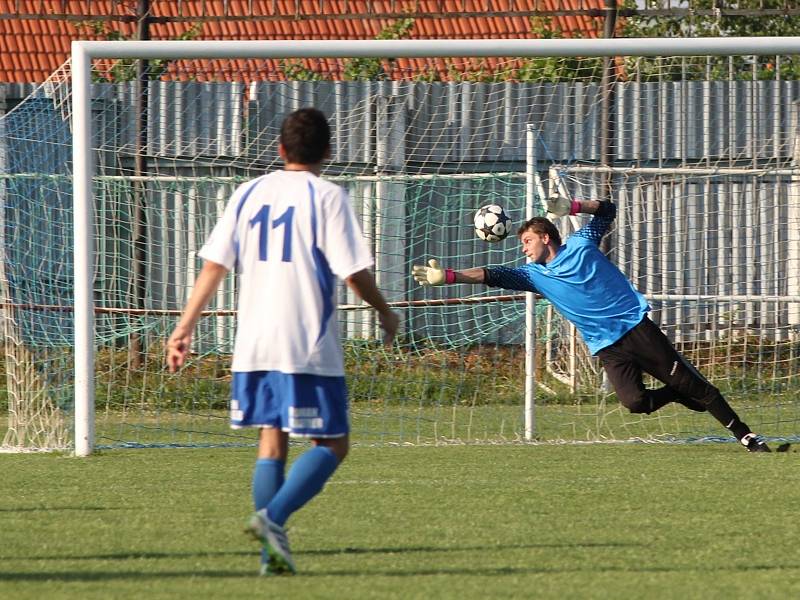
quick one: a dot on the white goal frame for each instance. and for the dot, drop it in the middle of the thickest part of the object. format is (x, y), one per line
(84, 52)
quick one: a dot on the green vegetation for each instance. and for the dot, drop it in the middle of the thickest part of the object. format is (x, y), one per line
(715, 21)
(555, 69)
(605, 521)
(547, 69)
(426, 393)
(725, 18)
(720, 23)
(428, 374)
(372, 69)
(124, 69)
(354, 69)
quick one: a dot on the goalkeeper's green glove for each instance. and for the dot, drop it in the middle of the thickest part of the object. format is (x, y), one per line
(561, 207)
(432, 274)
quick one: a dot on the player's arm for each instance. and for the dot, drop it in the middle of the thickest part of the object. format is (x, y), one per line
(435, 274)
(505, 277)
(604, 214)
(363, 284)
(206, 284)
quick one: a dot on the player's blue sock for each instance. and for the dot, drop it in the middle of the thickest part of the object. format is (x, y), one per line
(305, 480)
(267, 480)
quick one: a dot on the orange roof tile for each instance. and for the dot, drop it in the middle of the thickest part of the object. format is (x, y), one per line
(33, 47)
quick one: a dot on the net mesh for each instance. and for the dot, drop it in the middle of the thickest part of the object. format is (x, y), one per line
(702, 163)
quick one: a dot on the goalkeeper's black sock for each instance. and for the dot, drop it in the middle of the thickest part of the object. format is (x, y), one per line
(667, 394)
(722, 412)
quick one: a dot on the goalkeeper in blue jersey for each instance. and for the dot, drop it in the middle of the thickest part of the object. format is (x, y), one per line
(287, 234)
(610, 313)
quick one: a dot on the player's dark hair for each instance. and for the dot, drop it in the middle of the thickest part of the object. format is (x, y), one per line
(305, 136)
(540, 225)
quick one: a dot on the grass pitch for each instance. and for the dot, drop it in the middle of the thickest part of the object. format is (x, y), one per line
(569, 521)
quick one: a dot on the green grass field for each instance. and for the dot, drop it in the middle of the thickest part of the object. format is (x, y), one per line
(514, 521)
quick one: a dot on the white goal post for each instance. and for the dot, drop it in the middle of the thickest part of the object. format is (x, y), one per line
(85, 52)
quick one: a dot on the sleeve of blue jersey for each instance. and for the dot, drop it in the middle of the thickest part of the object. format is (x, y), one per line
(509, 278)
(595, 229)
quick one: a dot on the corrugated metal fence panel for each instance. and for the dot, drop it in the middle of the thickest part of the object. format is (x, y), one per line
(480, 123)
(711, 121)
(185, 119)
(432, 123)
(670, 239)
(349, 106)
(36, 221)
(454, 122)
(486, 122)
(671, 236)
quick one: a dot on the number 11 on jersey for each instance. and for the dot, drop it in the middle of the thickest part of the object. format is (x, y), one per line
(262, 219)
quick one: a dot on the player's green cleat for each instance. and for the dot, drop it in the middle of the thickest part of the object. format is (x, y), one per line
(275, 542)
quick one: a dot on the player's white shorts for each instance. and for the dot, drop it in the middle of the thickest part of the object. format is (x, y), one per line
(301, 404)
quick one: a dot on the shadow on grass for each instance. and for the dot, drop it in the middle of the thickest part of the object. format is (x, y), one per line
(123, 575)
(195, 573)
(140, 575)
(461, 548)
(488, 571)
(135, 556)
(326, 552)
(51, 509)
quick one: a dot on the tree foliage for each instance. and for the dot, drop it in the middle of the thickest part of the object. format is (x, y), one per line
(708, 18)
(373, 69)
(124, 69)
(716, 20)
(557, 69)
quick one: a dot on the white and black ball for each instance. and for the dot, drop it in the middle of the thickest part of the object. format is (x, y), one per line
(492, 224)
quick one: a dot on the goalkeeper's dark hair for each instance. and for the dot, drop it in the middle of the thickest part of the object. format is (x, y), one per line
(540, 225)
(305, 136)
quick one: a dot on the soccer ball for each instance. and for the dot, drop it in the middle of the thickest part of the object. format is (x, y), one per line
(492, 223)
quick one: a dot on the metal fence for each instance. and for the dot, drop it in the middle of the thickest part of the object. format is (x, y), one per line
(707, 181)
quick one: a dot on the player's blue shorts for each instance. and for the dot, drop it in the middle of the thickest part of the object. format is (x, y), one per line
(301, 404)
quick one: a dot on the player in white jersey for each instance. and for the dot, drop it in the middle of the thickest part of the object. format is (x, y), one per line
(287, 234)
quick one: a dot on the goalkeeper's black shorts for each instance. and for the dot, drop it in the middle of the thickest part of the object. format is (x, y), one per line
(645, 349)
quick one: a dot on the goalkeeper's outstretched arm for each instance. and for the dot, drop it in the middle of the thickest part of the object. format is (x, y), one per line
(435, 274)
(474, 275)
(505, 277)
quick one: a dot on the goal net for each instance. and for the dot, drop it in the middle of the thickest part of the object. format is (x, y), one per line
(699, 152)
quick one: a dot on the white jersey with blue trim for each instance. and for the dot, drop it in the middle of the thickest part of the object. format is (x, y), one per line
(288, 234)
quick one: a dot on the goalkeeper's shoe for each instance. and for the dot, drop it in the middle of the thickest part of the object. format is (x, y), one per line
(754, 443)
(275, 542)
